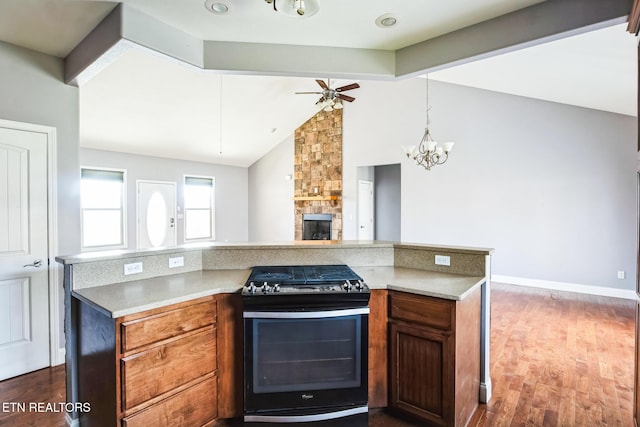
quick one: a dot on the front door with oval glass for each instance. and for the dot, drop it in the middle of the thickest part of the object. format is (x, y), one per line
(156, 214)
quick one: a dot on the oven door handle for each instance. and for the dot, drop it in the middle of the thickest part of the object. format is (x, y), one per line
(304, 314)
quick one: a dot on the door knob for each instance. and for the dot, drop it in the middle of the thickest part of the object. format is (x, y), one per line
(37, 263)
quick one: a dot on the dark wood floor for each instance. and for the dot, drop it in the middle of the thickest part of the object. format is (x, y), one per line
(558, 359)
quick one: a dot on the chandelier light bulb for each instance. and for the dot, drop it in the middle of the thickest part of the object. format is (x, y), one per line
(448, 146)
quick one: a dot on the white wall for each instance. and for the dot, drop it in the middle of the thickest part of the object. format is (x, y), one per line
(32, 91)
(551, 187)
(271, 209)
(231, 200)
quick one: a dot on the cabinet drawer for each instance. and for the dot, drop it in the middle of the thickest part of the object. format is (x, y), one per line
(162, 368)
(433, 312)
(194, 406)
(147, 330)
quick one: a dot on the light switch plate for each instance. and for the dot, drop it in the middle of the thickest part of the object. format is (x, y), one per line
(443, 260)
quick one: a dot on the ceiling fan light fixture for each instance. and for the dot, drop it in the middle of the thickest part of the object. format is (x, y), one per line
(337, 105)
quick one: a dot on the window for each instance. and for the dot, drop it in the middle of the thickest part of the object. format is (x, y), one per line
(102, 208)
(198, 208)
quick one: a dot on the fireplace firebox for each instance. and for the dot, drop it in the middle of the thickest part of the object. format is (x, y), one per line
(316, 226)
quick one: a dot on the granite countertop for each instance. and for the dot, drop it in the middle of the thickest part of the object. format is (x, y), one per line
(420, 282)
(121, 299)
(323, 244)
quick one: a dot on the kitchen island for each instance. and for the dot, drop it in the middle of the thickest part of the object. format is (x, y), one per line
(208, 281)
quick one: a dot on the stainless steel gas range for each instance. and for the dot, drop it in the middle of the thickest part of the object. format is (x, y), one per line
(305, 345)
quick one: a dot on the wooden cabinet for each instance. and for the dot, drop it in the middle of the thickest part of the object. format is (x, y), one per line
(434, 357)
(378, 351)
(157, 367)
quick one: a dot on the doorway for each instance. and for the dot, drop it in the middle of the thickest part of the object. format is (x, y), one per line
(387, 190)
(156, 214)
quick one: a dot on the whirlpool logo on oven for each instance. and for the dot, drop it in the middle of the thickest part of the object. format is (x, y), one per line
(306, 396)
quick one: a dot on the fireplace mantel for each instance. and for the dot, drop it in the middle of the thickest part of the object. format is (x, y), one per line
(308, 198)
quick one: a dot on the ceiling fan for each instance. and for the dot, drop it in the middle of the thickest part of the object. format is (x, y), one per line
(331, 99)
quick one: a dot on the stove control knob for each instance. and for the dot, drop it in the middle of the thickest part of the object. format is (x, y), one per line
(252, 288)
(265, 288)
(347, 286)
(276, 287)
(359, 285)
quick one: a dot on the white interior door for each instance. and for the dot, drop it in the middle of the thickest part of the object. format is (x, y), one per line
(365, 210)
(24, 294)
(156, 214)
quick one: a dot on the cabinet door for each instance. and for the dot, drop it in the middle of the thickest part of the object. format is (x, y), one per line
(422, 373)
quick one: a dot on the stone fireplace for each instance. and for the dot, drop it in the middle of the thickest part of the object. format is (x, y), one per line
(318, 171)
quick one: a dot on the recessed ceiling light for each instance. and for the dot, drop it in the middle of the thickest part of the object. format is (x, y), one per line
(217, 7)
(387, 20)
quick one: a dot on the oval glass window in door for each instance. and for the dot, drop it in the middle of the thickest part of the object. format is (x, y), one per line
(156, 219)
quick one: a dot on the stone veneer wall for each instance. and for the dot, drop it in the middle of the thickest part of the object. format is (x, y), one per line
(318, 169)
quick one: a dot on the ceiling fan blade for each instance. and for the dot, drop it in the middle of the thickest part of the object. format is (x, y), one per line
(322, 84)
(345, 97)
(308, 93)
(348, 87)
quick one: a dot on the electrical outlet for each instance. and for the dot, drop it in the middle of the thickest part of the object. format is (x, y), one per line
(176, 262)
(620, 274)
(133, 268)
(443, 260)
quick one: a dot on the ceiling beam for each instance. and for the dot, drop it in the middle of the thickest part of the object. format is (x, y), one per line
(126, 27)
(540, 23)
(98, 49)
(295, 60)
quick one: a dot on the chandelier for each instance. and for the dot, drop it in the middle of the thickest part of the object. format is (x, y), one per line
(429, 153)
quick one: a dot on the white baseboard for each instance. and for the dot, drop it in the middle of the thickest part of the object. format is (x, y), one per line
(70, 421)
(564, 286)
(485, 392)
(61, 357)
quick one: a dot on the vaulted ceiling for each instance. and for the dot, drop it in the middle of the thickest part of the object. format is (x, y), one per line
(231, 89)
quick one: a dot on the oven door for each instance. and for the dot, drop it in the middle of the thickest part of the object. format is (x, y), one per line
(305, 362)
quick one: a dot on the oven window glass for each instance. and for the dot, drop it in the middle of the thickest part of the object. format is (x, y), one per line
(306, 354)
